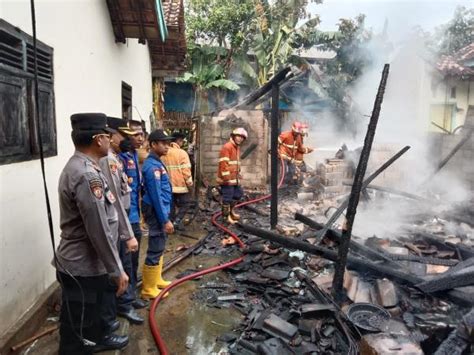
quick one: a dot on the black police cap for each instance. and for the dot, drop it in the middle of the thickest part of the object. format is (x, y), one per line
(116, 123)
(93, 122)
(159, 135)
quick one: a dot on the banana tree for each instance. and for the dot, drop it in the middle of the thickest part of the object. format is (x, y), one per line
(207, 73)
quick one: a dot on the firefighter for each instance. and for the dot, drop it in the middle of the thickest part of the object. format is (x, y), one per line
(228, 174)
(157, 201)
(179, 168)
(291, 150)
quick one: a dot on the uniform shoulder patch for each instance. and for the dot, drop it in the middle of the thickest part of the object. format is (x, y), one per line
(97, 187)
(157, 173)
(130, 164)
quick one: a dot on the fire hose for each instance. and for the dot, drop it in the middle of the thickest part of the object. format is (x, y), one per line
(151, 316)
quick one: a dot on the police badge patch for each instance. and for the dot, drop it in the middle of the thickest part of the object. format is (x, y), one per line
(96, 187)
(113, 168)
(130, 164)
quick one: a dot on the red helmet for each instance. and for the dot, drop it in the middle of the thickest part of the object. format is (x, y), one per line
(299, 127)
(240, 132)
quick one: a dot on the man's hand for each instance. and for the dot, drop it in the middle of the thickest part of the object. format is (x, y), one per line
(169, 227)
(122, 283)
(310, 150)
(240, 177)
(132, 245)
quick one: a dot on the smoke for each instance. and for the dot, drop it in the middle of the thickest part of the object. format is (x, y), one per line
(404, 120)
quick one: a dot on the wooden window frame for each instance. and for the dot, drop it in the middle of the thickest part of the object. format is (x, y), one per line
(18, 137)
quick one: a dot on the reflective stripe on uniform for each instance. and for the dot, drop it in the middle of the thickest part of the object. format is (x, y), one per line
(224, 159)
(234, 162)
(176, 167)
(225, 173)
(292, 146)
(180, 189)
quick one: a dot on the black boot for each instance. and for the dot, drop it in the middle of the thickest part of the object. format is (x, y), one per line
(132, 316)
(111, 342)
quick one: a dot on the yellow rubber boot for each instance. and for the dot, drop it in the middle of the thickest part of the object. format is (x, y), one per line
(150, 276)
(160, 283)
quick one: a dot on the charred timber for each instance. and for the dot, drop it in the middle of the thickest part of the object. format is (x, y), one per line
(358, 187)
(282, 75)
(354, 263)
(336, 236)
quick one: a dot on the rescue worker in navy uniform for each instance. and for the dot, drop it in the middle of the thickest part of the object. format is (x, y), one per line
(134, 138)
(157, 201)
(87, 255)
(125, 240)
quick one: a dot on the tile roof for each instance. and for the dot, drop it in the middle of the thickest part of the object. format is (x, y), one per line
(455, 65)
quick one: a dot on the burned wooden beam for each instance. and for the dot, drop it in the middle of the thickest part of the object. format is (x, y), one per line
(274, 131)
(448, 281)
(357, 188)
(282, 75)
(336, 236)
(393, 191)
(354, 263)
(366, 183)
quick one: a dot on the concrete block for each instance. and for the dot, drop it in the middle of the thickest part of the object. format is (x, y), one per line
(386, 344)
(386, 293)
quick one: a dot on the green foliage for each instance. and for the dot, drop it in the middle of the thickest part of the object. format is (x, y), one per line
(219, 22)
(456, 34)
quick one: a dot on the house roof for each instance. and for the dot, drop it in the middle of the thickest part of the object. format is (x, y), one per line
(457, 64)
(158, 22)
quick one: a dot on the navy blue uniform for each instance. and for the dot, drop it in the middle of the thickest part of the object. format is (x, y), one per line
(157, 201)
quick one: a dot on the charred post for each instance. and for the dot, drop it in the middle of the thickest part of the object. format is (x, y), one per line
(274, 156)
(357, 188)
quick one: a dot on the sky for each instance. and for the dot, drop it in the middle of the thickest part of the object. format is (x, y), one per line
(402, 15)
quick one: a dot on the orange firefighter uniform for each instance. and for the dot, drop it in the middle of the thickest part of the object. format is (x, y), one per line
(179, 168)
(228, 174)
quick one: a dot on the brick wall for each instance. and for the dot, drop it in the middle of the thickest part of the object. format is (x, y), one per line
(215, 131)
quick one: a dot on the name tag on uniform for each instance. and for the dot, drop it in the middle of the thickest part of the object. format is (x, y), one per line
(110, 196)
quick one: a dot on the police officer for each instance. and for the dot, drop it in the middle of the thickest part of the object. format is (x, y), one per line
(129, 157)
(126, 242)
(157, 201)
(87, 254)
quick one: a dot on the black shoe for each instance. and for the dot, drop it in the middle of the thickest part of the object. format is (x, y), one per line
(132, 316)
(139, 303)
(112, 327)
(111, 342)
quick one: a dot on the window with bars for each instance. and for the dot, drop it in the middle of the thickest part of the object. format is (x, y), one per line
(18, 119)
(126, 101)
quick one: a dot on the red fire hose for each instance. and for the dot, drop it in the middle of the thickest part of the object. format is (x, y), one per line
(151, 316)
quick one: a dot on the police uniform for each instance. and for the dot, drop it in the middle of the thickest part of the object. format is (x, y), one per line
(157, 201)
(114, 171)
(87, 250)
(129, 161)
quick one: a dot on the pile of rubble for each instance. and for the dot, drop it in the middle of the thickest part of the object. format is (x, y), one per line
(402, 295)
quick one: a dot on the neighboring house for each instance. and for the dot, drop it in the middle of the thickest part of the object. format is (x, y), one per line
(453, 89)
(87, 63)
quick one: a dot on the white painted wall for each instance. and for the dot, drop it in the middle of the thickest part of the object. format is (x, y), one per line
(464, 97)
(88, 69)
